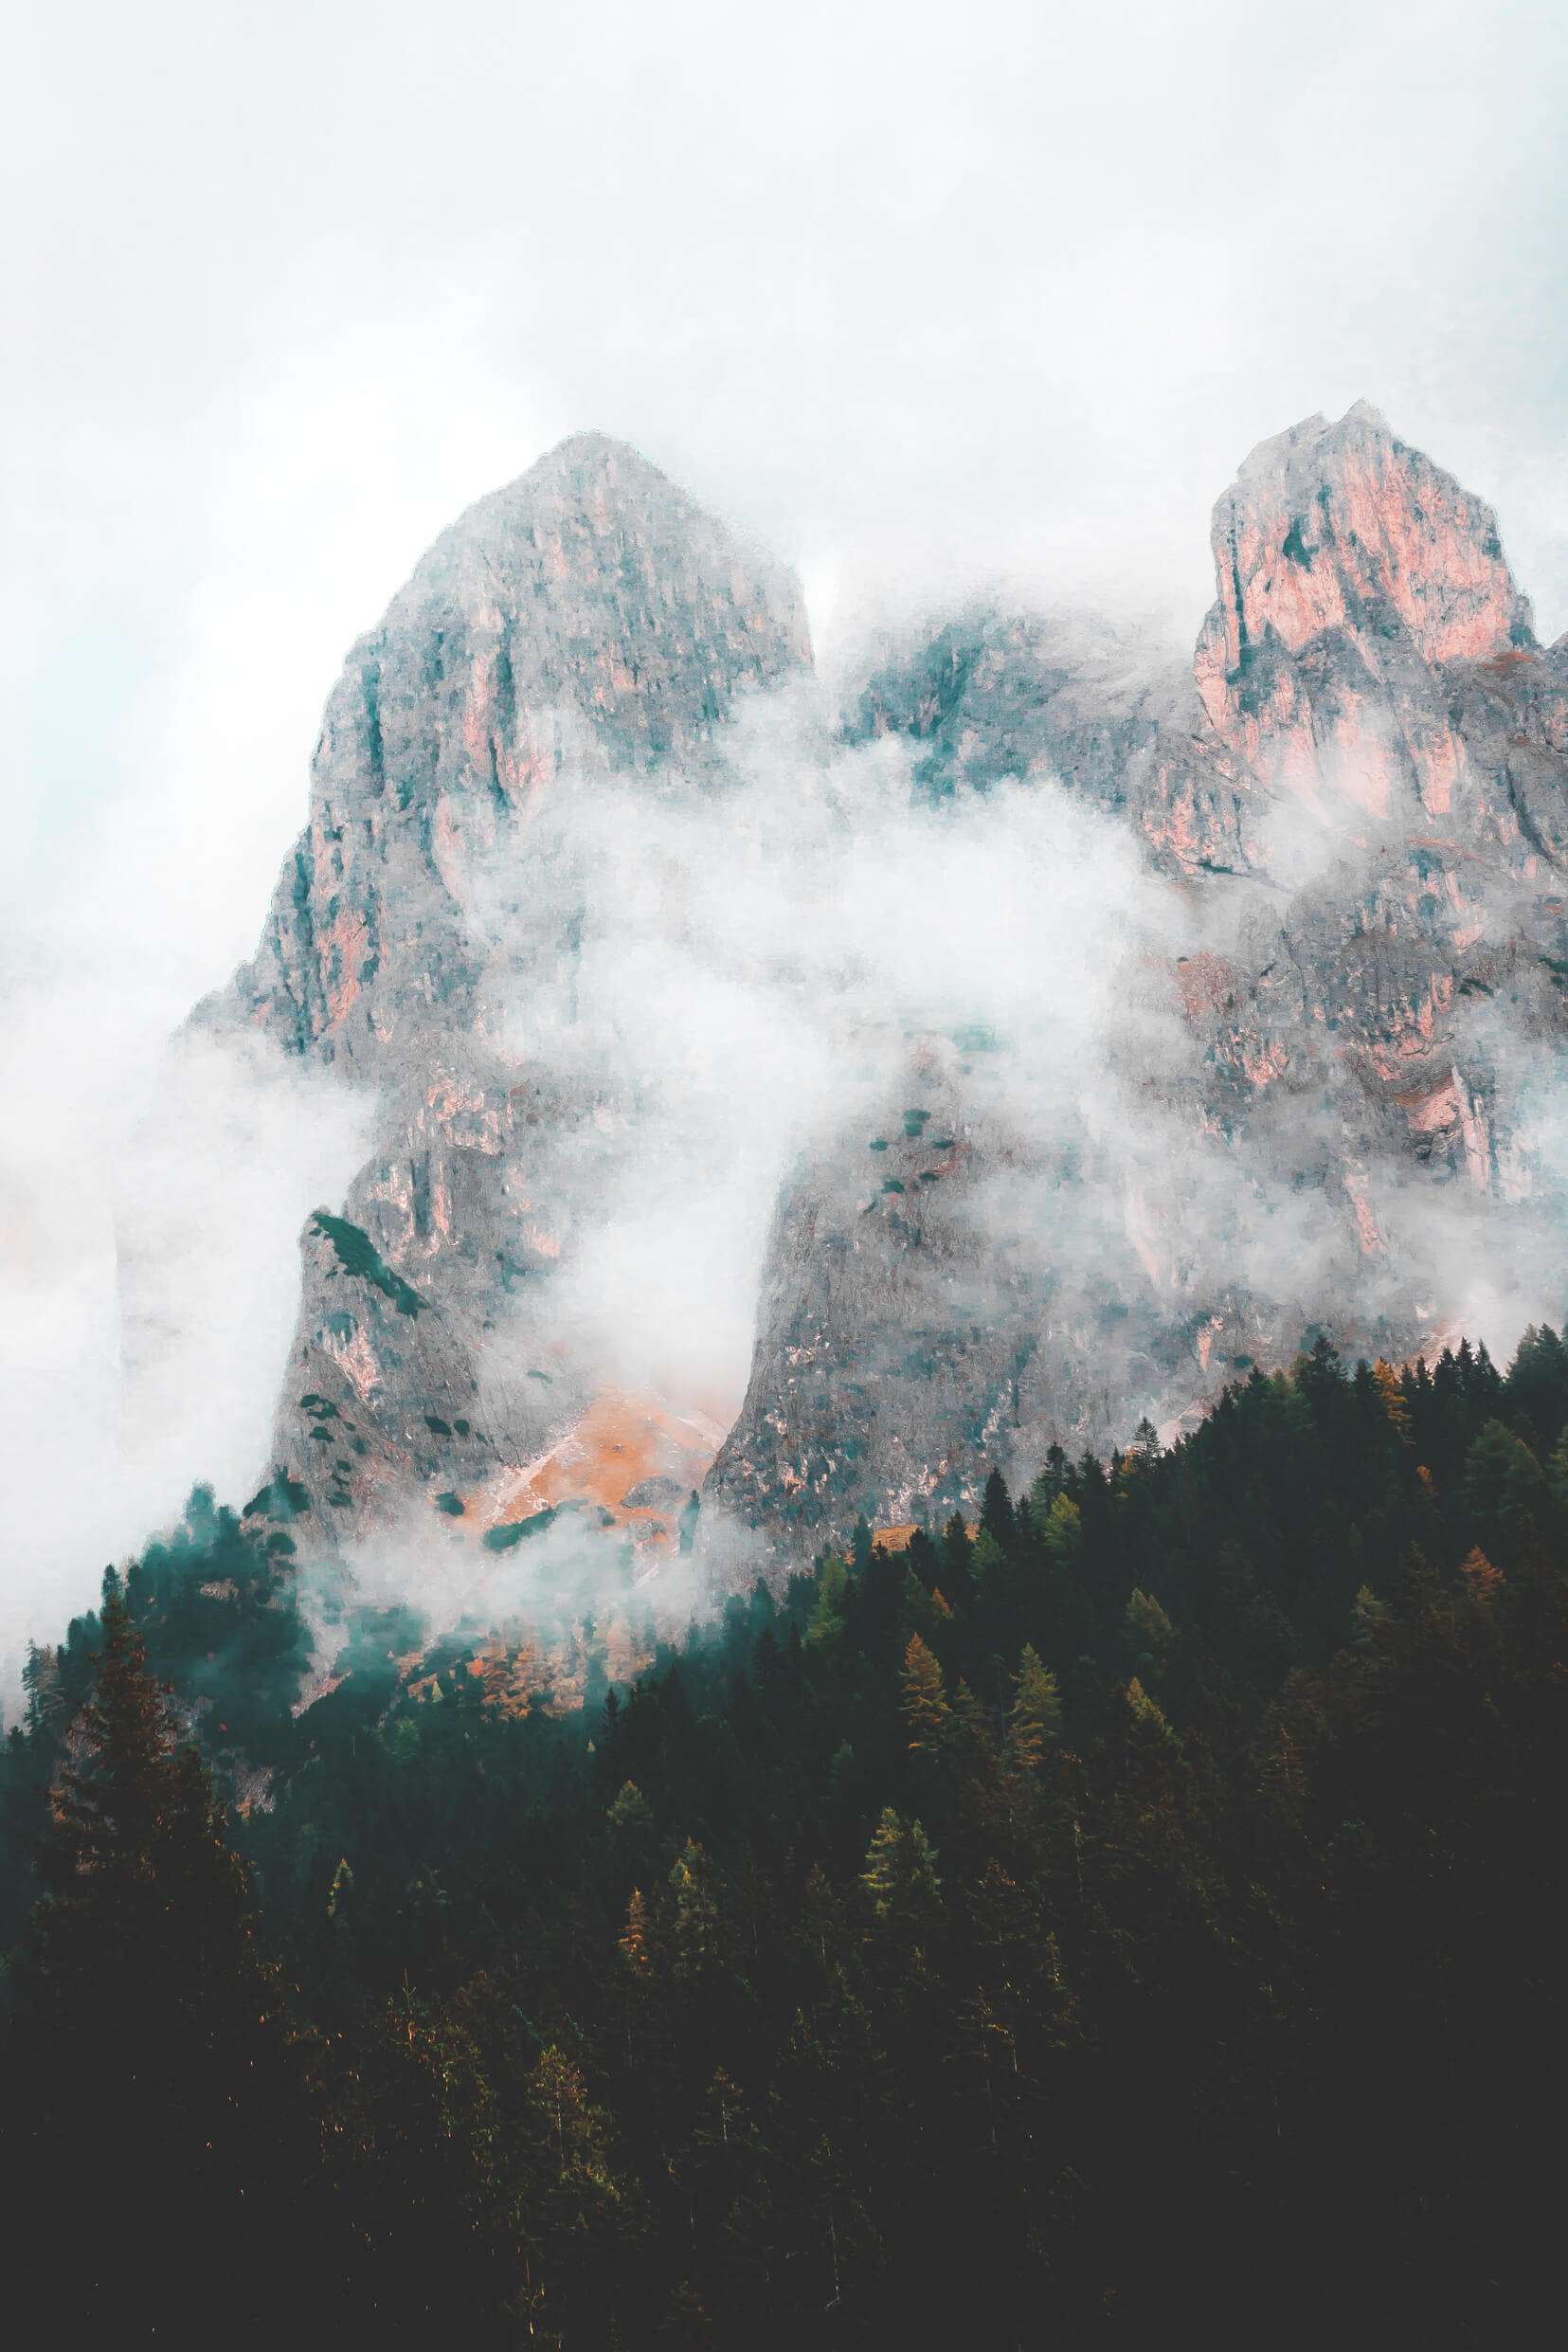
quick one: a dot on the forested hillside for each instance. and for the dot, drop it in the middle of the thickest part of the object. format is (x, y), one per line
(1136, 1920)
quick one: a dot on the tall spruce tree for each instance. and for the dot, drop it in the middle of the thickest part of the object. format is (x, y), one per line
(148, 2064)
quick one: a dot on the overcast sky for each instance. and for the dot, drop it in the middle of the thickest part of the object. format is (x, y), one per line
(902, 290)
(288, 283)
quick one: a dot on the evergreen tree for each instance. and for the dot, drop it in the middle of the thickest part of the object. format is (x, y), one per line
(1393, 1396)
(153, 2073)
(1062, 1531)
(1035, 1717)
(900, 1871)
(927, 1711)
(996, 1510)
(1483, 1582)
(1367, 1613)
(1149, 1633)
(828, 1617)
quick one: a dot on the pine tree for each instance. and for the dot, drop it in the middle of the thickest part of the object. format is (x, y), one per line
(696, 1922)
(1503, 1486)
(636, 1939)
(42, 1683)
(1146, 1711)
(988, 1562)
(925, 1708)
(1526, 1498)
(920, 1611)
(1483, 1582)
(629, 1819)
(1391, 1393)
(829, 1617)
(1035, 1717)
(1063, 1533)
(154, 2080)
(1047, 1486)
(900, 1872)
(996, 1510)
(1149, 1632)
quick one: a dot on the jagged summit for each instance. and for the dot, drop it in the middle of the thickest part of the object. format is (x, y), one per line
(1310, 435)
(1380, 742)
(588, 624)
(1368, 669)
(1351, 570)
(591, 496)
(588, 616)
(1346, 526)
(593, 588)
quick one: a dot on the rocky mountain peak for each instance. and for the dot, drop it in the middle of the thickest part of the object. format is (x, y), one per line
(592, 599)
(589, 618)
(625, 563)
(1345, 526)
(585, 629)
(1367, 984)
(1349, 569)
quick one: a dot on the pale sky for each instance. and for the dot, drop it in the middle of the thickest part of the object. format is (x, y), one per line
(287, 284)
(905, 292)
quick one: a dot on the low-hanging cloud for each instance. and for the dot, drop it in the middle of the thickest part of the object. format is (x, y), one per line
(737, 966)
(152, 1202)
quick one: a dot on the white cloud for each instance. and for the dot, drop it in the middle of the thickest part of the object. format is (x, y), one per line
(937, 291)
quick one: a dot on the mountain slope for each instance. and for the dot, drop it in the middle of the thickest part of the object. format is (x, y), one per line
(1312, 1091)
(588, 622)
(1363, 793)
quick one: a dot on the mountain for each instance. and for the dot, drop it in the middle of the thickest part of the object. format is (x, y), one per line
(1314, 1101)
(588, 621)
(1361, 785)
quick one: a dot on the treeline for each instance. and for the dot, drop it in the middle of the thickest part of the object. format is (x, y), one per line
(1137, 1918)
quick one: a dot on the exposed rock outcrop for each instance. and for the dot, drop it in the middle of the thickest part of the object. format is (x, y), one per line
(1352, 572)
(1365, 786)
(1352, 799)
(590, 620)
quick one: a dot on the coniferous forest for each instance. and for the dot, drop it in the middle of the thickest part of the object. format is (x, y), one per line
(1136, 1919)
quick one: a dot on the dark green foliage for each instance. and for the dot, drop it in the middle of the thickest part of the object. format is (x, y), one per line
(516, 1530)
(157, 2140)
(357, 1255)
(1138, 1921)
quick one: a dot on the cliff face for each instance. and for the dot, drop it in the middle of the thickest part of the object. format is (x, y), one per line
(1308, 1107)
(1352, 572)
(588, 621)
(1362, 790)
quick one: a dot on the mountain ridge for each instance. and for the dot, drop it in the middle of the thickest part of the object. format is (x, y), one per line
(1355, 792)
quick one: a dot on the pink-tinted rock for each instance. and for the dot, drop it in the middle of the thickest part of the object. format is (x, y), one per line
(1351, 570)
(1368, 670)
(1359, 784)
(588, 620)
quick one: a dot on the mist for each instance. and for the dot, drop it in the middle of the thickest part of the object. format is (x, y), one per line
(754, 956)
(755, 963)
(916, 303)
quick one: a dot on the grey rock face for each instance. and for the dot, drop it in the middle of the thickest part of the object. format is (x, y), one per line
(588, 620)
(1364, 787)
(995, 696)
(1353, 801)
(655, 1495)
